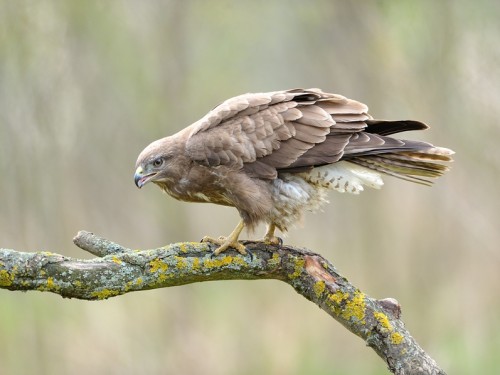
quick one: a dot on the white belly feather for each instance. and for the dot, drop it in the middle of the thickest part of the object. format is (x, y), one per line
(295, 192)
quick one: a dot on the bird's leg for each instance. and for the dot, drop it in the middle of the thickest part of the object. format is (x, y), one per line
(270, 238)
(230, 241)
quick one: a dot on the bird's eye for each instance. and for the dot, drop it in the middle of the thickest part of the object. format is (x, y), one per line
(158, 162)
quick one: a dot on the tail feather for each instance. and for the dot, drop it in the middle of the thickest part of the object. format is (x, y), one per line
(414, 166)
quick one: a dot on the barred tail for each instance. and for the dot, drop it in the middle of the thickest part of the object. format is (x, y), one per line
(415, 166)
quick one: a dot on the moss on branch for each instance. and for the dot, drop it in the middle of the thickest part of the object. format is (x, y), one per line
(117, 270)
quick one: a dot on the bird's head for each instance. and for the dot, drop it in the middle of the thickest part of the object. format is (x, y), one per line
(155, 163)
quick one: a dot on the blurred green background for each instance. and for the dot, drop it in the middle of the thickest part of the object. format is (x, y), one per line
(86, 85)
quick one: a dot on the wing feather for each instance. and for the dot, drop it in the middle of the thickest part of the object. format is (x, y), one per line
(260, 126)
(299, 129)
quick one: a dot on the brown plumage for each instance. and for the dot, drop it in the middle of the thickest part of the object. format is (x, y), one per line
(274, 155)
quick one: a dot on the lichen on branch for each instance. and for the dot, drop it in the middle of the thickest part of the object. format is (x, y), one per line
(117, 270)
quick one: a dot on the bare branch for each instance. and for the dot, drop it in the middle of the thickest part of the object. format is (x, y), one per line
(118, 270)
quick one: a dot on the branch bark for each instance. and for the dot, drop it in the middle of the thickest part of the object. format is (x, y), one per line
(118, 270)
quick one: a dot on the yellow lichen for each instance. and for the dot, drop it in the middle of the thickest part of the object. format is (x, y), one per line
(355, 308)
(239, 261)
(298, 268)
(396, 338)
(181, 263)
(319, 288)
(158, 265)
(338, 297)
(196, 264)
(105, 293)
(227, 260)
(275, 260)
(185, 246)
(383, 320)
(162, 277)
(77, 283)
(116, 260)
(130, 284)
(50, 283)
(6, 278)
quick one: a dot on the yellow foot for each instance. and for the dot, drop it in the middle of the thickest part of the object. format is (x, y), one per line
(270, 238)
(229, 241)
(276, 241)
(225, 243)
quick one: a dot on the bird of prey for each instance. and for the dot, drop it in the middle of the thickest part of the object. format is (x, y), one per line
(274, 155)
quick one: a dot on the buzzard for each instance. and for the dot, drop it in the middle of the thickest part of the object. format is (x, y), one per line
(274, 155)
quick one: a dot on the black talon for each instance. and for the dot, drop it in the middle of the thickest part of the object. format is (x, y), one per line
(280, 242)
(250, 254)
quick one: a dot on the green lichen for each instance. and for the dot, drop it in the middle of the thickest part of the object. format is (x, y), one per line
(319, 288)
(298, 268)
(6, 278)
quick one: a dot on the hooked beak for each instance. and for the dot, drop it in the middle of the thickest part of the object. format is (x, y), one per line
(142, 179)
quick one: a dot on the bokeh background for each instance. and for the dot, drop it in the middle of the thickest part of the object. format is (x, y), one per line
(86, 85)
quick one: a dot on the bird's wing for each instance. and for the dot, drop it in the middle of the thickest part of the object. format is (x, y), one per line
(266, 132)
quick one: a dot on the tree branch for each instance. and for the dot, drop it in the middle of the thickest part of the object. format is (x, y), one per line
(118, 270)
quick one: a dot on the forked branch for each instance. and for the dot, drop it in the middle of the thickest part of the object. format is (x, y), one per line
(118, 270)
